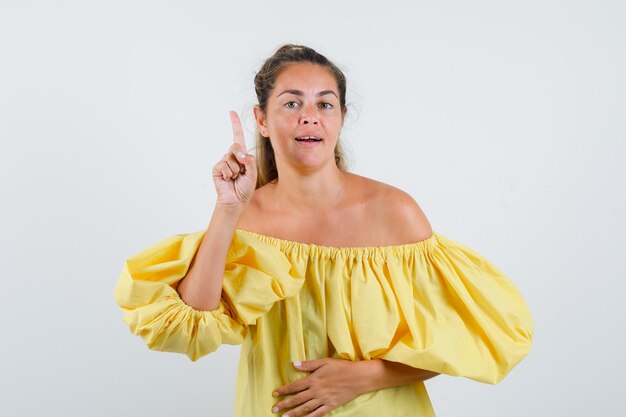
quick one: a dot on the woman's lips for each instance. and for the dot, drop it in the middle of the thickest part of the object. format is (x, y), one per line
(308, 141)
(308, 144)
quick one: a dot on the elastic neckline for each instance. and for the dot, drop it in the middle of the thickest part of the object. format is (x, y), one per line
(346, 251)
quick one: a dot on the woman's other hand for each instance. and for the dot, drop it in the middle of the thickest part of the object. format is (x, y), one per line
(332, 383)
(235, 174)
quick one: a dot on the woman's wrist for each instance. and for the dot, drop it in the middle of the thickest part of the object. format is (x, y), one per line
(374, 371)
(380, 374)
(229, 210)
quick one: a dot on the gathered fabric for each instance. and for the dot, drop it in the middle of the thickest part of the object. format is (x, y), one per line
(435, 304)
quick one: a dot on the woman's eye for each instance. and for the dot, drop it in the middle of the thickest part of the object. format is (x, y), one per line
(292, 104)
(326, 105)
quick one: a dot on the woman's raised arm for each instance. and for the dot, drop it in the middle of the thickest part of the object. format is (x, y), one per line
(235, 181)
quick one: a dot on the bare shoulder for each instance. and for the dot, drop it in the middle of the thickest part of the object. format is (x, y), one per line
(250, 218)
(390, 215)
(398, 212)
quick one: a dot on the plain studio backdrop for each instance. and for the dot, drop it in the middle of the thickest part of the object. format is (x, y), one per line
(504, 120)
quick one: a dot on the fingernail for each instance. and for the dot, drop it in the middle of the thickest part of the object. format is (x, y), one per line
(241, 155)
(297, 364)
(275, 410)
(275, 394)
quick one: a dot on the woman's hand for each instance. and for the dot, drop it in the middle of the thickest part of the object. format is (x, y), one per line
(332, 383)
(235, 174)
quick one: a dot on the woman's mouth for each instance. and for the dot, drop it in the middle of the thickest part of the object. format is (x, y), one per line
(308, 139)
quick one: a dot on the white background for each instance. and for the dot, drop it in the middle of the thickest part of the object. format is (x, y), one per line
(504, 120)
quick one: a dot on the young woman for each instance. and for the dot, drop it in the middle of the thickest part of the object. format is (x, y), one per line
(344, 298)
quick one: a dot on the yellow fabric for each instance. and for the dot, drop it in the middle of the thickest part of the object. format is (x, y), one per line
(434, 304)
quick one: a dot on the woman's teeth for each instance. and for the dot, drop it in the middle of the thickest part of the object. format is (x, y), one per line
(308, 139)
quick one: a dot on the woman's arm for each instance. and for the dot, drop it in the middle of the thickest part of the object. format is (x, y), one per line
(386, 374)
(334, 382)
(235, 179)
(201, 288)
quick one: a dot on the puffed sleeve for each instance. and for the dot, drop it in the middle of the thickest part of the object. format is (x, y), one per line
(446, 309)
(256, 275)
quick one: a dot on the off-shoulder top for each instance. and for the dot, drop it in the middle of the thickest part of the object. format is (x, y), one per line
(435, 304)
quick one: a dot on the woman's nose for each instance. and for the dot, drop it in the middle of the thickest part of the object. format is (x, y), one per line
(309, 115)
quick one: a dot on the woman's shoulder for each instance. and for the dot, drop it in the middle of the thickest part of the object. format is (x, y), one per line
(259, 212)
(396, 211)
(375, 211)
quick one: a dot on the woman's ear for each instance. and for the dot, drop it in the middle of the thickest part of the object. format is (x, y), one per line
(261, 121)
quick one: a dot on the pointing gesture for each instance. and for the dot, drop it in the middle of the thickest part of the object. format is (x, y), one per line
(235, 174)
(237, 129)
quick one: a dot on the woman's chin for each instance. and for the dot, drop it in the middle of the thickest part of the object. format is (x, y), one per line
(310, 161)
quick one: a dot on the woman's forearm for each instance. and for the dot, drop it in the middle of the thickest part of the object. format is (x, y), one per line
(386, 374)
(201, 288)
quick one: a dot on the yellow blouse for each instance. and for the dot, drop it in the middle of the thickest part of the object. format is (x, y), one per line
(434, 304)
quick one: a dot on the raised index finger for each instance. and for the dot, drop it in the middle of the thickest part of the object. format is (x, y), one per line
(237, 129)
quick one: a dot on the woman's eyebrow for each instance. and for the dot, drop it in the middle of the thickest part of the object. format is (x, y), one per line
(300, 93)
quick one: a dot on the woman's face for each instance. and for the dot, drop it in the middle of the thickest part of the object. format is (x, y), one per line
(304, 102)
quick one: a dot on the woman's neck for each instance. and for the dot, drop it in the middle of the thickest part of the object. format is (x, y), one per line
(317, 191)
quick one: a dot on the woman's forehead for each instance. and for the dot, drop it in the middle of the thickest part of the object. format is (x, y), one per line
(305, 77)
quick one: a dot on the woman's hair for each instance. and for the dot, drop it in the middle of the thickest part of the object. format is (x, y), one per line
(264, 84)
